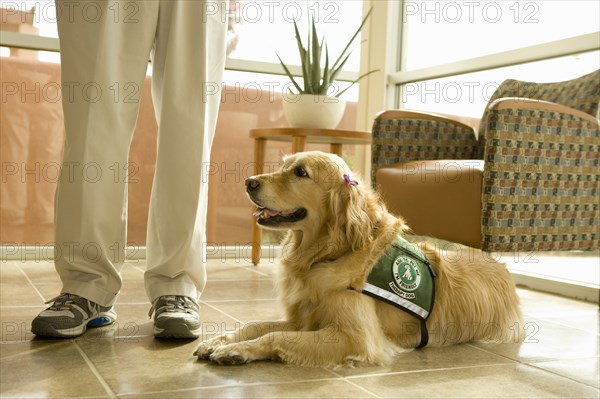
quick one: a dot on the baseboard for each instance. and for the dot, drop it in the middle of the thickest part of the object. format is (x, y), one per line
(581, 291)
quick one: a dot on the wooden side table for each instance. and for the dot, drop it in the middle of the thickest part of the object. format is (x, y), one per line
(299, 137)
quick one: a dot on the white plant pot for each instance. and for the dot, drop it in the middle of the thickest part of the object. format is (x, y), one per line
(313, 111)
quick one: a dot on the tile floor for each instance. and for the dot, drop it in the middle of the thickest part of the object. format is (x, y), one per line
(560, 357)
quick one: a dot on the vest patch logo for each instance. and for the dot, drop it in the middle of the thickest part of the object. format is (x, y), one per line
(407, 277)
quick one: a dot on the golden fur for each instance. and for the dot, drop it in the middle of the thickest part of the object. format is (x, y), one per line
(326, 257)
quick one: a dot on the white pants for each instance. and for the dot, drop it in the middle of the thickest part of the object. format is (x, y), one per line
(105, 47)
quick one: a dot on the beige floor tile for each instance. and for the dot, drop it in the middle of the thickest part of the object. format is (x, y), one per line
(56, 371)
(19, 293)
(431, 359)
(251, 310)
(9, 349)
(236, 290)
(133, 289)
(16, 322)
(40, 272)
(15, 289)
(582, 370)
(567, 312)
(506, 381)
(226, 271)
(267, 267)
(317, 389)
(151, 365)
(547, 341)
(9, 271)
(558, 359)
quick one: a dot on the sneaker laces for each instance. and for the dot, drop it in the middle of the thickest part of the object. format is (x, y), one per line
(174, 303)
(64, 302)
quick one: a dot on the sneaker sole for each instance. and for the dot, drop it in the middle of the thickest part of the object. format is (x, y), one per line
(44, 328)
(103, 319)
(176, 330)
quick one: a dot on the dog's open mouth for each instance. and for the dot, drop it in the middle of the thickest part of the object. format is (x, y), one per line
(269, 217)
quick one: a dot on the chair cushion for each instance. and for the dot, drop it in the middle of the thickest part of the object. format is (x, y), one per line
(440, 198)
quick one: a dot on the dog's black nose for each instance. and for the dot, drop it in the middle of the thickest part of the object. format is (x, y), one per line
(252, 184)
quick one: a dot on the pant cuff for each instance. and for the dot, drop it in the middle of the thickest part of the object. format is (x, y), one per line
(157, 289)
(90, 291)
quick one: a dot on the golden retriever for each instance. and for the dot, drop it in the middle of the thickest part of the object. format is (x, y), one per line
(337, 230)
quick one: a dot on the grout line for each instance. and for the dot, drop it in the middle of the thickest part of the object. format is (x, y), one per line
(220, 311)
(95, 371)
(31, 350)
(238, 300)
(472, 345)
(210, 280)
(559, 375)
(259, 272)
(137, 268)
(242, 385)
(353, 377)
(530, 316)
(373, 394)
(31, 282)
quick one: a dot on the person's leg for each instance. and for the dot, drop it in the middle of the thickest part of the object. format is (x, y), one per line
(188, 62)
(105, 46)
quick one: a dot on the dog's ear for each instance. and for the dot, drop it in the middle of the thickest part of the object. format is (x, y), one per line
(351, 221)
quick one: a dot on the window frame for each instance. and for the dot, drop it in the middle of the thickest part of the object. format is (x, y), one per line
(519, 55)
(42, 43)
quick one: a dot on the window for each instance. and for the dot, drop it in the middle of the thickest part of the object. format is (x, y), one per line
(468, 94)
(270, 23)
(452, 55)
(253, 24)
(439, 32)
(32, 18)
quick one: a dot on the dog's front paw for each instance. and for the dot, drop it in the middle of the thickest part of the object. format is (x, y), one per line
(206, 348)
(232, 354)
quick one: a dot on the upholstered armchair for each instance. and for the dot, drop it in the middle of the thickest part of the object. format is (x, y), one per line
(529, 180)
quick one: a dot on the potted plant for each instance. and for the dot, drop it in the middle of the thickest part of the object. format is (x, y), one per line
(311, 106)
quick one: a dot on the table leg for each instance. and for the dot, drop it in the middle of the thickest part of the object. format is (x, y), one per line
(298, 143)
(335, 148)
(259, 160)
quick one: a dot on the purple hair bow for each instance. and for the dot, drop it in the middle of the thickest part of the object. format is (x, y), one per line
(350, 181)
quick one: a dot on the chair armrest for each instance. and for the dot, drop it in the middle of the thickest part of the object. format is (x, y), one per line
(541, 178)
(540, 105)
(402, 136)
(413, 114)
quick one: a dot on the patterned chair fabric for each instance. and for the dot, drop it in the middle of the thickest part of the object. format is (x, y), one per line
(402, 140)
(542, 167)
(582, 94)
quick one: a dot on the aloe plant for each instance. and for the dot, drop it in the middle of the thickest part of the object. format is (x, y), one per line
(317, 79)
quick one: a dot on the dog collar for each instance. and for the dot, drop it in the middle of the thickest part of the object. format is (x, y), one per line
(404, 278)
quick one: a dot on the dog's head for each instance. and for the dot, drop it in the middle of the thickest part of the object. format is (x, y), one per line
(314, 192)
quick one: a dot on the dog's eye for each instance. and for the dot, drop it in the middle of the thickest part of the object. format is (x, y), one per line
(300, 172)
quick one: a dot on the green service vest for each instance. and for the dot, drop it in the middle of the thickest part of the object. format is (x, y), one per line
(403, 277)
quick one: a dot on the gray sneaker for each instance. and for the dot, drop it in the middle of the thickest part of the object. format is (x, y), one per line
(175, 317)
(70, 315)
